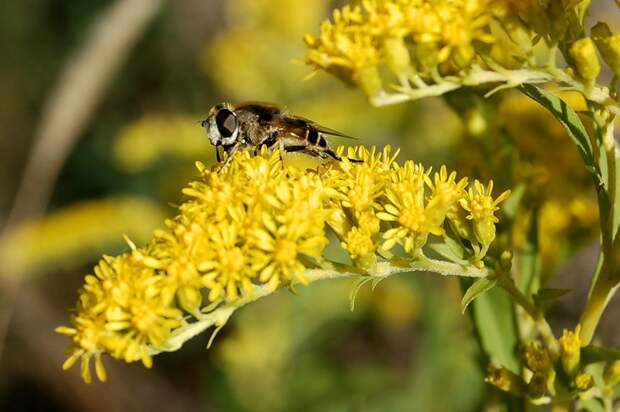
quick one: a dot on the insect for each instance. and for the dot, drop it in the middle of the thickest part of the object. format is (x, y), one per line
(251, 125)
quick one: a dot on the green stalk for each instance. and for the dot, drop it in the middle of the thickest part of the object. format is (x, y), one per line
(220, 316)
(536, 314)
(605, 283)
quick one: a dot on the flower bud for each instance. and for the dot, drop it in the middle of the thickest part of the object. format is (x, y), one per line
(570, 345)
(397, 56)
(368, 80)
(585, 59)
(584, 381)
(484, 230)
(608, 45)
(611, 374)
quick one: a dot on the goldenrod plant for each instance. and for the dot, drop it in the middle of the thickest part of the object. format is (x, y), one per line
(396, 51)
(257, 226)
(260, 224)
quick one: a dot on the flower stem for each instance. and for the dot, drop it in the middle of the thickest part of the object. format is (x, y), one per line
(528, 306)
(220, 316)
(605, 283)
(602, 292)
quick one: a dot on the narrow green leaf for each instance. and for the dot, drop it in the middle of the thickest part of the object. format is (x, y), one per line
(356, 290)
(593, 354)
(496, 328)
(476, 289)
(375, 283)
(547, 295)
(569, 119)
(511, 205)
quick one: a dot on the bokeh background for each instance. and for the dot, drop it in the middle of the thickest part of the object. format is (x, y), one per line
(100, 104)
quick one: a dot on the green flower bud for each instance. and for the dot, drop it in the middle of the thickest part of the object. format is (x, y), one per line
(457, 219)
(585, 59)
(427, 55)
(369, 80)
(484, 230)
(517, 31)
(397, 56)
(608, 45)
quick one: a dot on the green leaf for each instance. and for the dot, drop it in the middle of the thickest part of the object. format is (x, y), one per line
(493, 315)
(547, 295)
(593, 354)
(356, 290)
(476, 289)
(375, 282)
(450, 250)
(511, 205)
(569, 119)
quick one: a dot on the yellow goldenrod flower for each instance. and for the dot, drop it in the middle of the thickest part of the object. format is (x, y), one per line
(247, 229)
(481, 207)
(584, 381)
(570, 345)
(360, 38)
(406, 207)
(226, 265)
(399, 50)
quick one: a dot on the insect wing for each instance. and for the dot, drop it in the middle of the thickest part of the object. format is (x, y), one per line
(313, 126)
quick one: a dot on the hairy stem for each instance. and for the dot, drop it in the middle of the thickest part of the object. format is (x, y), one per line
(478, 76)
(220, 316)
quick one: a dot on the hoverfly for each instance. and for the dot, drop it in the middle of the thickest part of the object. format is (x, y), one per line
(251, 125)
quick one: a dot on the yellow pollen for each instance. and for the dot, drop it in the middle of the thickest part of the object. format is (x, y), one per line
(143, 317)
(412, 219)
(286, 251)
(231, 260)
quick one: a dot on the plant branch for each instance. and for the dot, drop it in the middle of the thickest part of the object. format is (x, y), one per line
(536, 314)
(477, 76)
(220, 316)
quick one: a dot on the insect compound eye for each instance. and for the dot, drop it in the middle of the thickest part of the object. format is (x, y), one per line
(226, 122)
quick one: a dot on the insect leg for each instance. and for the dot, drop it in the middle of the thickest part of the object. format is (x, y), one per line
(231, 154)
(291, 149)
(217, 154)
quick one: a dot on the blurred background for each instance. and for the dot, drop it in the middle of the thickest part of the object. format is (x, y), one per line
(100, 104)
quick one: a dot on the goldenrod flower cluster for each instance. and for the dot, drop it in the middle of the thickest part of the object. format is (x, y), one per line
(425, 43)
(259, 225)
(559, 194)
